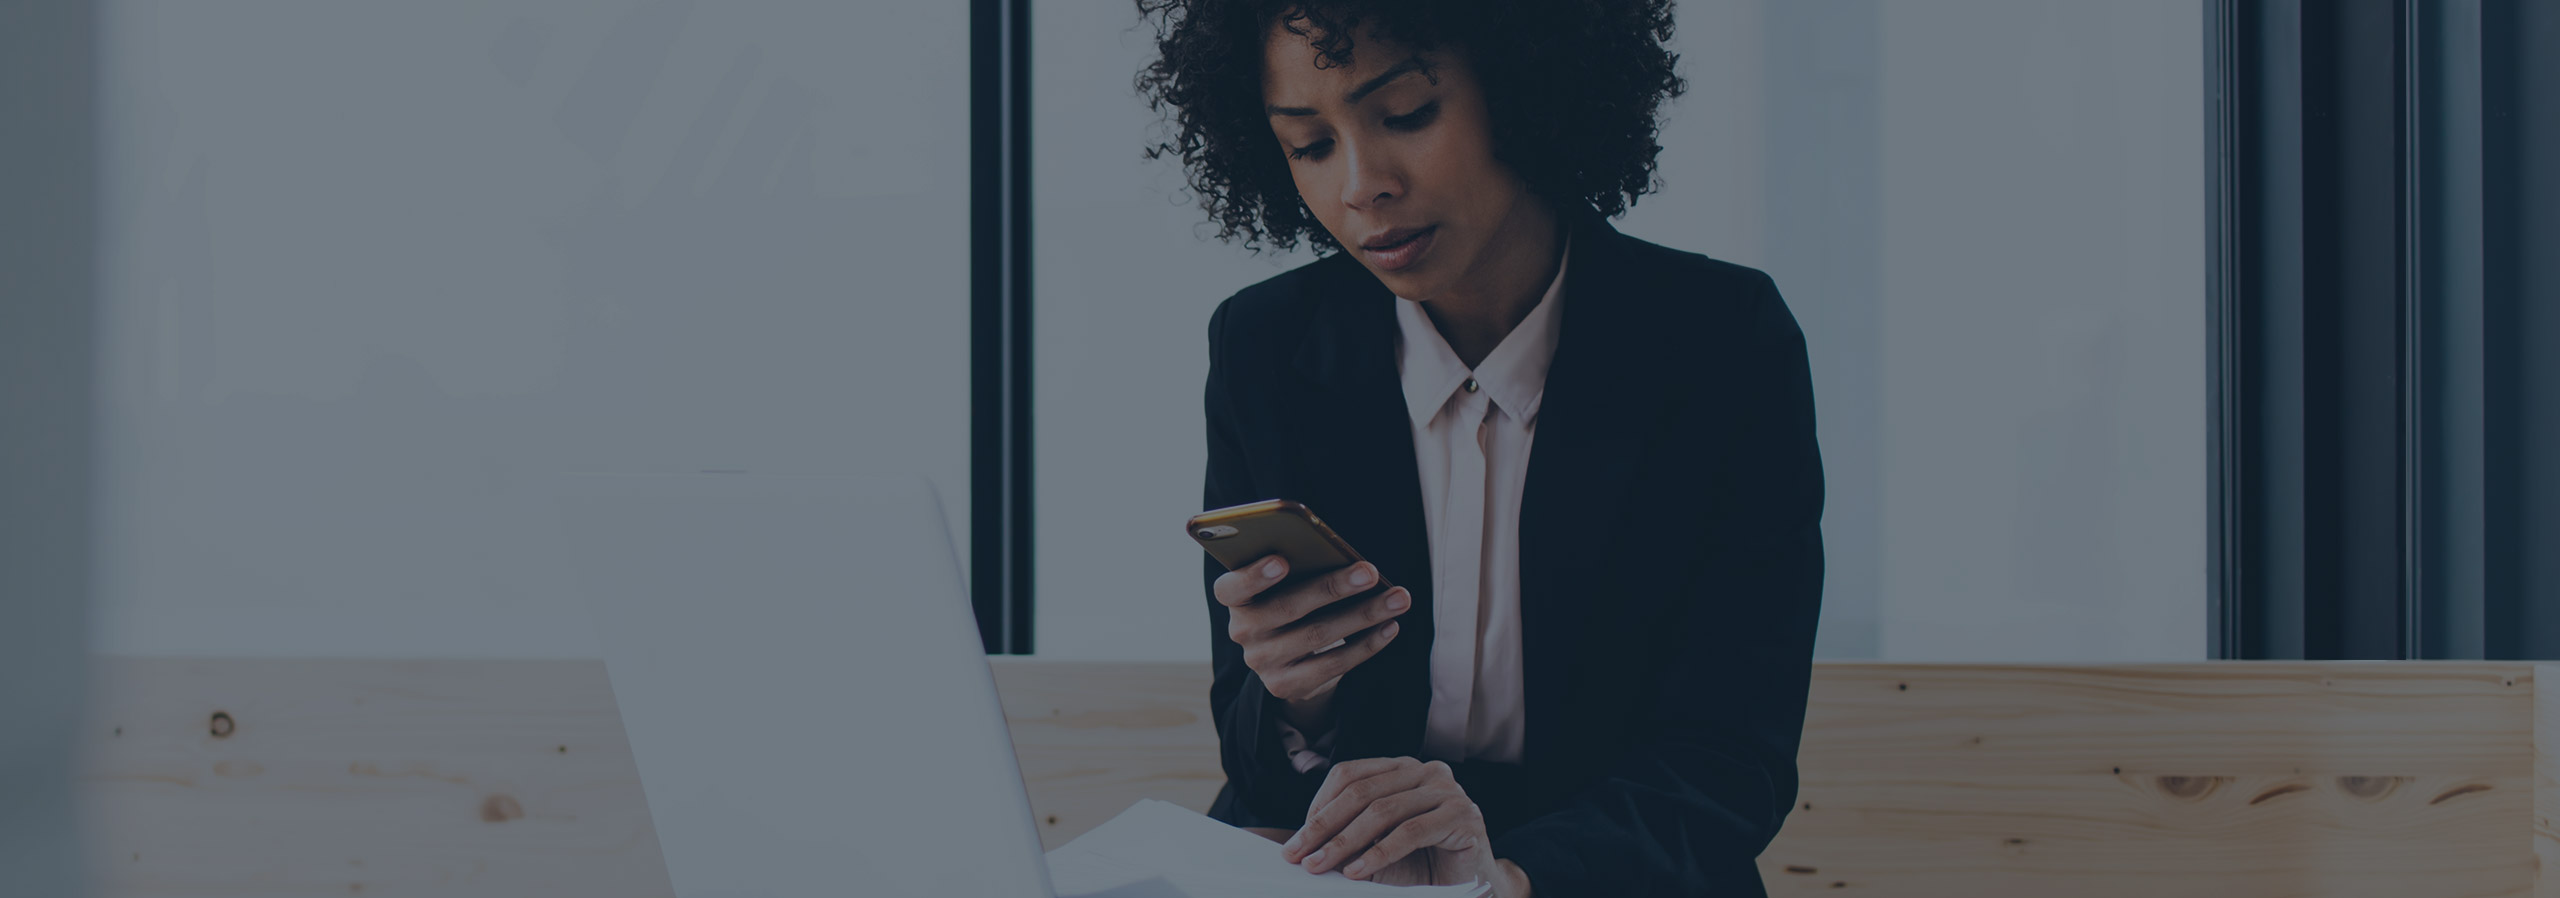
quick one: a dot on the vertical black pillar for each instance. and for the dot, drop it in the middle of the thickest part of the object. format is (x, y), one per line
(2352, 314)
(1000, 322)
(2312, 548)
(2520, 79)
(2450, 422)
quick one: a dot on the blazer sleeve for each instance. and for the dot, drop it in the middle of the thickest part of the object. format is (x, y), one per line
(1268, 789)
(1688, 810)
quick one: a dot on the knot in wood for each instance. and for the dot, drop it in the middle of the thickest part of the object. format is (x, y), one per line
(2188, 788)
(2369, 788)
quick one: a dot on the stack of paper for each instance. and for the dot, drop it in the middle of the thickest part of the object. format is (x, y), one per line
(1160, 850)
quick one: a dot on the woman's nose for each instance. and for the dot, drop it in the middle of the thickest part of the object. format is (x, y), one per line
(1373, 178)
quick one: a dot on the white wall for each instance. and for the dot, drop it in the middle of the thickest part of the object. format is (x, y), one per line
(2044, 371)
(1125, 280)
(1986, 214)
(378, 272)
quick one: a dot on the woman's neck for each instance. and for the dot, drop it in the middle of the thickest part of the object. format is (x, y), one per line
(1512, 275)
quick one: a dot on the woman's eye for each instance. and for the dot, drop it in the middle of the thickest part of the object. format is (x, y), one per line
(1416, 118)
(1314, 149)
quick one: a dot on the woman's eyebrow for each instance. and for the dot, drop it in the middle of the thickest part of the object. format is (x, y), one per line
(1409, 66)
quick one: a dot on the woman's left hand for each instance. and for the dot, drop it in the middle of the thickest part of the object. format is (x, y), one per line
(1374, 814)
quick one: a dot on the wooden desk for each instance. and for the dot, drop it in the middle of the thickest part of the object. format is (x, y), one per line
(339, 778)
(503, 778)
(2241, 779)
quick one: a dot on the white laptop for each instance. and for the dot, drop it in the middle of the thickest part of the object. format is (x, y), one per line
(804, 687)
(813, 715)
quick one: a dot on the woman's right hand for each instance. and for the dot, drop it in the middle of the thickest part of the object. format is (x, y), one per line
(1289, 635)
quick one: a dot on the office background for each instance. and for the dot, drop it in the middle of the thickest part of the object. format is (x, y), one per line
(1983, 214)
(2077, 278)
(497, 241)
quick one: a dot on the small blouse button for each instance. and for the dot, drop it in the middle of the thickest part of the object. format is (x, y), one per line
(1471, 385)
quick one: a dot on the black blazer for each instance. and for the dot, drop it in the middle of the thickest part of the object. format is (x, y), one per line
(1670, 559)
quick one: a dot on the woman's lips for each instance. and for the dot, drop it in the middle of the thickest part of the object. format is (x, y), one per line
(1400, 256)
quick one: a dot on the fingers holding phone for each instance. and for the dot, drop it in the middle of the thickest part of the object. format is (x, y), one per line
(1302, 637)
(1301, 602)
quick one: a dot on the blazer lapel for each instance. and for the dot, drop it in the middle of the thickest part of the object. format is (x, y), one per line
(1592, 425)
(1355, 452)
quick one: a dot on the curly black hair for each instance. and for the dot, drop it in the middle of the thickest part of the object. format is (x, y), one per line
(1574, 89)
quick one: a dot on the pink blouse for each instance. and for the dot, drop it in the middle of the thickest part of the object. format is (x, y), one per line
(1471, 436)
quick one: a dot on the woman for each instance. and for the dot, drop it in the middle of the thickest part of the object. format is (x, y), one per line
(1575, 672)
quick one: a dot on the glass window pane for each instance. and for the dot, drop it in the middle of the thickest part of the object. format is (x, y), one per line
(377, 274)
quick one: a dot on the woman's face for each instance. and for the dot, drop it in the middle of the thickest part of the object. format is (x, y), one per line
(1400, 169)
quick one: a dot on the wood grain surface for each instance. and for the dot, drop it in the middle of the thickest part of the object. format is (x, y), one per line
(282, 778)
(2409, 780)
(1095, 737)
(2257, 779)
(2260, 779)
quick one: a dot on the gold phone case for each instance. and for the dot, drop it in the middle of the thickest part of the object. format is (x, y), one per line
(1238, 535)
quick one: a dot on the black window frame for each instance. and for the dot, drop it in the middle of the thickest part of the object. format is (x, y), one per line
(1000, 412)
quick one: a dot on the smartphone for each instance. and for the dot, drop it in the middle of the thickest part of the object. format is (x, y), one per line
(1239, 535)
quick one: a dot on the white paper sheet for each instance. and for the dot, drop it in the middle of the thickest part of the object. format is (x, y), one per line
(1203, 858)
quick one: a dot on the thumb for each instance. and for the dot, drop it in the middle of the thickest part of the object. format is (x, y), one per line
(1461, 858)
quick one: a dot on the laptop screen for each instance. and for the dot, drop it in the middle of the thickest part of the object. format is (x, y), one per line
(801, 676)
